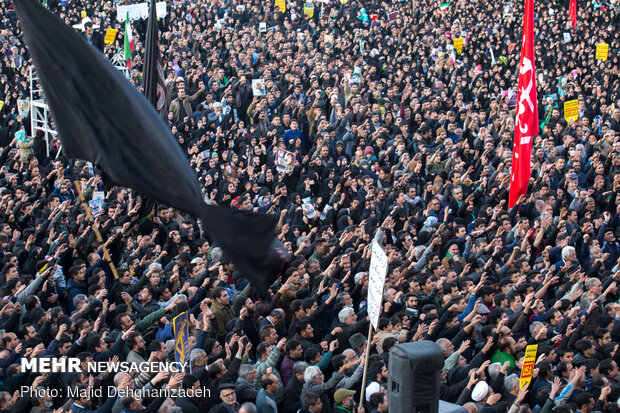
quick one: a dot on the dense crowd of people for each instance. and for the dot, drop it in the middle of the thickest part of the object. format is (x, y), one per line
(390, 128)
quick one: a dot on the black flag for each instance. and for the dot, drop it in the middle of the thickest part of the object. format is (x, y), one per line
(102, 118)
(154, 82)
(154, 88)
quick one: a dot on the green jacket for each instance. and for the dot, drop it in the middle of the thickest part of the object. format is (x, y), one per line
(222, 314)
(325, 360)
(143, 326)
(501, 357)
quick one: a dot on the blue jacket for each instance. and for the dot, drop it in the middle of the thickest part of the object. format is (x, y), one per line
(74, 288)
(265, 403)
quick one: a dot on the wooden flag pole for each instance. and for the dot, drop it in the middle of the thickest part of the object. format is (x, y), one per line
(90, 217)
(363, 389)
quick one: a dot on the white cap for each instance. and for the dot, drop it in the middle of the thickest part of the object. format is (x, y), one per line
(480, 391)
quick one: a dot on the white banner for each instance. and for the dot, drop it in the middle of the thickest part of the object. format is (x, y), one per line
(23, 107)
(258, 87)
(139, 11)
(285, 162)
(376, 282)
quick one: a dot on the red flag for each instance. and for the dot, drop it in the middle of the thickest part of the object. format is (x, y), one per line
(572, 13)
(526, 123)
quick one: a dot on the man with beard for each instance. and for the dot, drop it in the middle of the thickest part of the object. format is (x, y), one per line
(294, 352)
(137, 346)
(246, 323)
(377, 372)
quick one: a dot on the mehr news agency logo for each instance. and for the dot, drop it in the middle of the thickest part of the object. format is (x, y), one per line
(73, 365)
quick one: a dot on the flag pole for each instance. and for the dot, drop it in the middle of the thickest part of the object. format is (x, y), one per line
(378, 238)
(366, 354)
(90, 217)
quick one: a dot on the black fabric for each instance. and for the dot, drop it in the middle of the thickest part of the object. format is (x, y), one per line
(102, 118)
(154, 82)
(154, 87)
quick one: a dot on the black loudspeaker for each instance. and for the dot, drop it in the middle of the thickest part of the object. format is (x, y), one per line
(413, 377)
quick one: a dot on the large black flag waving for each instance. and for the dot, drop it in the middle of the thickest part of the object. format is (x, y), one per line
(102, 118)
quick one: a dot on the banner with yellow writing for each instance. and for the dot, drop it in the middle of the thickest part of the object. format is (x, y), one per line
(528, 365)
(110, 35)
(602, 50)
(309, 9)
(571, 112)
(458, 45)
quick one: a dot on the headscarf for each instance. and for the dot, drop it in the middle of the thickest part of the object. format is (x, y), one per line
(21, 136)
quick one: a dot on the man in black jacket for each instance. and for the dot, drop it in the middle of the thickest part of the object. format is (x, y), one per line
(245, 389)
(186, 403)
(292, 402)
(92, 36)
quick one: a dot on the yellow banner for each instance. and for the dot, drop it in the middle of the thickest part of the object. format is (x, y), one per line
(1, 104)
(110, 35)
(528, 365)
(281, 4)
(571, 111)
(602, 50)
(458, 45)
(309, 9)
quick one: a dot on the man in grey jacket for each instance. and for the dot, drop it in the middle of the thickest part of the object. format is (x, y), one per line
(354, 374)
(267, 359)
(124, 382)
(313, 378)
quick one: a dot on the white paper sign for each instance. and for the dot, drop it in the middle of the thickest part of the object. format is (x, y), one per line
(285, 161)
(23, 107)
(308, 208)
(567, 38)
(376, 282)
(258, 87)
(139, 11)
(96, 204)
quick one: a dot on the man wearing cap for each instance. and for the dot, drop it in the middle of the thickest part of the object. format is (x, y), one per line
(228, 397)
(345, 403)
(358, 343)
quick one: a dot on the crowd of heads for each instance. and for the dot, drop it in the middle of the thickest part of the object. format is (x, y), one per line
(386, 126)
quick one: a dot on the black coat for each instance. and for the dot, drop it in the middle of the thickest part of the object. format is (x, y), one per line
(96, 39)
(188, 404)
(246, 392)
(292, 392)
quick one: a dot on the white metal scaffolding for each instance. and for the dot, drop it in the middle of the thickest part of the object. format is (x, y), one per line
(40, 115)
